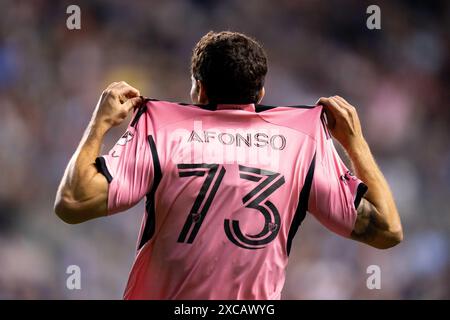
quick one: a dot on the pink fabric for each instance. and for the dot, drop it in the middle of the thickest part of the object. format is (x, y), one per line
(222, 225)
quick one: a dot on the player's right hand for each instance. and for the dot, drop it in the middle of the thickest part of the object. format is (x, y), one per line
(343, 121)
(115, 103)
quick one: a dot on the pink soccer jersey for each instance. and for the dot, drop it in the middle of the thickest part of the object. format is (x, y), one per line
(226, 189)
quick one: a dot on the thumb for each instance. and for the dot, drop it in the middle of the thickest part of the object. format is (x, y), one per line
(133, 103)
(328, 110)
(331, 120)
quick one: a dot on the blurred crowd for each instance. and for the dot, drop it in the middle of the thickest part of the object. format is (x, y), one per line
(51, 77)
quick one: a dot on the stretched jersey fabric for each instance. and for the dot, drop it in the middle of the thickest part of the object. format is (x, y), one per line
(226, 188)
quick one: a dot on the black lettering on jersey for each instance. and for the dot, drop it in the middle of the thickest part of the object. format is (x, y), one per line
(256, 200)
(260, 140)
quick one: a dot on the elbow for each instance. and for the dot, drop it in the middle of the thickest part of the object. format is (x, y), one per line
(397, 236)
(66, 210)
(391, 239)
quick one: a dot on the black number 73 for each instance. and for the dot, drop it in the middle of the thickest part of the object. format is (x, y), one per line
(255, 199)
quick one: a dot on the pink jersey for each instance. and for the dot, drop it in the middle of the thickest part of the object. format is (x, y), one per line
(226, 189)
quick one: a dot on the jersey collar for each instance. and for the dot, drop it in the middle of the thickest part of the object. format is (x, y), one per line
(246, 107)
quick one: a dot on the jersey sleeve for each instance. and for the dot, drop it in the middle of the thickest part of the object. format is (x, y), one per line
(128, 166)
(335, 192)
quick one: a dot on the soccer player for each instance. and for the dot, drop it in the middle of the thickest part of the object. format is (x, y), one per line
(227, 180)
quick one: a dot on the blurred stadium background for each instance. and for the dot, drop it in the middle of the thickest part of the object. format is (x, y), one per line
(50, 80)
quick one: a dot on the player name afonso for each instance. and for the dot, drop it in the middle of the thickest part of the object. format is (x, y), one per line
(239, 139)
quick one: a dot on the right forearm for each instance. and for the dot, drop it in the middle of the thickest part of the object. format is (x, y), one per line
(377, 221)
(379, 193)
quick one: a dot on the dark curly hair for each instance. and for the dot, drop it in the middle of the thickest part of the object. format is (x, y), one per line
(231, 66)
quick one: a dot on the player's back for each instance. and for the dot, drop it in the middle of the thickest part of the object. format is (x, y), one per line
(226, 188)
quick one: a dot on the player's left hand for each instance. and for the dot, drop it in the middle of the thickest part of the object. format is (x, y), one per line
(116, 101)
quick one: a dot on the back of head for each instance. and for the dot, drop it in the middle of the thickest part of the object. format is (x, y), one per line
(231, 66)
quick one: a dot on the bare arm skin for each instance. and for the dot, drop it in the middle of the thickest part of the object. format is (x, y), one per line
(378, 222)
(83, 192)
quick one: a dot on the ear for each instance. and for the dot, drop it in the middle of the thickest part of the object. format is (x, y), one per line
(261, 94)
(202, 97)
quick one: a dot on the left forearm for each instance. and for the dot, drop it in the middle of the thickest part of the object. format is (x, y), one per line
(82, 195)
(83, 191)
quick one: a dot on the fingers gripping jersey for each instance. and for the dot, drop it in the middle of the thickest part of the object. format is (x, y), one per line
(226, 189)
